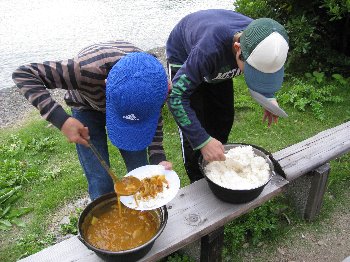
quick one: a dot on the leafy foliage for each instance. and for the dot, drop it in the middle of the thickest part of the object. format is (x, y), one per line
(336, 9)
(72, 226)
(34, 243)
(16, 170)
(262, 223)
(313, 93)
(310, 93)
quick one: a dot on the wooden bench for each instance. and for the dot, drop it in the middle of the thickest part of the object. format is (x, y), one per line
(196, 213)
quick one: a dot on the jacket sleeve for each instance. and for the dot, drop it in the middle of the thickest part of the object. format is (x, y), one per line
(156, 150)
(34, 80)
(185, 82)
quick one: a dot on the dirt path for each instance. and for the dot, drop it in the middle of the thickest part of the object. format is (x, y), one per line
(328, 242)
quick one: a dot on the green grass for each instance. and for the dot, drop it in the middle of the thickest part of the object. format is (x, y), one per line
(58, 178)
(59, 181)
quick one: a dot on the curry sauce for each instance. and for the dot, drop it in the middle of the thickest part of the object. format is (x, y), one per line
(110, 231)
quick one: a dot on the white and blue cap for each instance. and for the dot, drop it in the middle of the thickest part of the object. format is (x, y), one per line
(136, 90)
(264, 45)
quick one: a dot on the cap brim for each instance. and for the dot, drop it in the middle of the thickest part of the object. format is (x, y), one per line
(266, 84)
(267, 104)
(130, 137)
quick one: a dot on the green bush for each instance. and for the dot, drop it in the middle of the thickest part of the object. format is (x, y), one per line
(261, 224)
(313, 92)
(318, 31)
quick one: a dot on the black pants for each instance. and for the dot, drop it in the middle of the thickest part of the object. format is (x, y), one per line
(213, 104)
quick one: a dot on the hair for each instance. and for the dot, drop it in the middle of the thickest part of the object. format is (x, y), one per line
(151, 53)
(238, 40)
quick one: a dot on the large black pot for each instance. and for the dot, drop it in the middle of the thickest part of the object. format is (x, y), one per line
(233, 195)
(126, 255)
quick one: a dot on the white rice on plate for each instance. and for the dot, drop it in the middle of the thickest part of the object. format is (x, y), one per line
(241, 170)
(153, 202)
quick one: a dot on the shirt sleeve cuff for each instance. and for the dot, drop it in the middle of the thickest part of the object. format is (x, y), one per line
(58, 117)
(155, 159)
(203, 144)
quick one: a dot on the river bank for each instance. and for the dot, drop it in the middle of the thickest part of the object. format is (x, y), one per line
(14, 108)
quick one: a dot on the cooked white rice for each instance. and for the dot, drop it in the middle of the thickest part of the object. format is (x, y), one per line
(242, 169)
(153, 202)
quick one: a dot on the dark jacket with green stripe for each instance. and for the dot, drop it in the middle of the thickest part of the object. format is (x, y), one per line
(201, 45)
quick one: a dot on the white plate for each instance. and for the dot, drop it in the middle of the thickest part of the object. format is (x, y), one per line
(162, 198)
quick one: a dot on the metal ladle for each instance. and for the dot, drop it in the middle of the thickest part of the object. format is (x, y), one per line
(127, 185)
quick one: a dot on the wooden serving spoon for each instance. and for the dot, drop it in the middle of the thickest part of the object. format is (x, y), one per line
(127, 185)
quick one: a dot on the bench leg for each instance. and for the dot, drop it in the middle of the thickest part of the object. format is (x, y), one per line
(306, 192)
(211, 246)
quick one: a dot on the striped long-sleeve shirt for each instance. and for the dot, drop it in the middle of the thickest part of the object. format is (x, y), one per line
(84, 79)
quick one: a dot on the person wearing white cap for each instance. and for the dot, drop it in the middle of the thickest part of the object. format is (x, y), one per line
(205, 50)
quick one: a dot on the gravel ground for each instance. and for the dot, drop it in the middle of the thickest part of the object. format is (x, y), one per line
(14, 108)
(330, 242)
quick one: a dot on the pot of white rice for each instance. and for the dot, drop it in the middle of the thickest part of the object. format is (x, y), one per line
(241, 177)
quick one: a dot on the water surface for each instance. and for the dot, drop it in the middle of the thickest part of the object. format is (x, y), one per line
(39, 30)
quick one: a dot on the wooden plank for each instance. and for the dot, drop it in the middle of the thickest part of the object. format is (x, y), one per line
(193, 213)
(306, 192)
(311, 153)
(68, 250)
(317, 190)
(212, 245)
(335, 131)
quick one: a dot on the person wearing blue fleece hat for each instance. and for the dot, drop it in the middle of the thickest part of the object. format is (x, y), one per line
(205, 50)
(129, 105)
(136, 90)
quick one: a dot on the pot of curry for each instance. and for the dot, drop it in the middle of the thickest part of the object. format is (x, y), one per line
(119, 236)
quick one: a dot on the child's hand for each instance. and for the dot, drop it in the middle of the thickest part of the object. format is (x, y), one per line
(167, 165)
(271, 118)
(75, 131)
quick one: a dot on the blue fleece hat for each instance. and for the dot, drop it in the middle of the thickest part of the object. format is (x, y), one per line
(136, 89)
